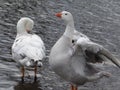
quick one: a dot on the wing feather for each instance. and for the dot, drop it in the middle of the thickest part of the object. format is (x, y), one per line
(31, 46)
(95, 52)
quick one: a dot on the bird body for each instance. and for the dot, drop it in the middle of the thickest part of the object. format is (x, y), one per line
(28, 47)
(67, 62)
(73, 55)
(28, 50)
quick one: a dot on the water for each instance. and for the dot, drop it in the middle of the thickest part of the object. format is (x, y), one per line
(99, 19)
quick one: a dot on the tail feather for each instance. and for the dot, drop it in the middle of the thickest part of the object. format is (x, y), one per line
(33, 63)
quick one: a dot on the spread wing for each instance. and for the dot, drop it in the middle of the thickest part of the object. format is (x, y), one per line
(95, 52)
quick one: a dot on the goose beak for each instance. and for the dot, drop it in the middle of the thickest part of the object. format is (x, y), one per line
(58, 15)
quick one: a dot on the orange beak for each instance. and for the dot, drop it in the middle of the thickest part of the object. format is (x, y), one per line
(58, 15)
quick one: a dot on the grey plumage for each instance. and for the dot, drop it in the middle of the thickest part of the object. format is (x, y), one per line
(73, 54)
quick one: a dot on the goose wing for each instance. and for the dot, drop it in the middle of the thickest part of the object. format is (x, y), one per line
(95, 52)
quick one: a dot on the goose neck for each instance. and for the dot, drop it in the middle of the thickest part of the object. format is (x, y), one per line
(21, 29)
(69, 29)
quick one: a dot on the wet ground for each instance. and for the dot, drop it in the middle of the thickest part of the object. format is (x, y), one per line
(99, 19)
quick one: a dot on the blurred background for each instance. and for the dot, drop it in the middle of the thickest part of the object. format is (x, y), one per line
(98, 19)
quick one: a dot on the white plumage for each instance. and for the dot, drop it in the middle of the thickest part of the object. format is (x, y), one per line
(73, 55)
(28, 49)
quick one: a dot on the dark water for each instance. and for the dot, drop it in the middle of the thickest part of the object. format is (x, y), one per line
(99, 19)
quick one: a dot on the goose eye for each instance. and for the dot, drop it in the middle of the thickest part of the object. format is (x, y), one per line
(65, 13)
(73, 41)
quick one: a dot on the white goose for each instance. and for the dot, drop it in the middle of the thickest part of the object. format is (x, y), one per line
(73, 55)
(28, 50)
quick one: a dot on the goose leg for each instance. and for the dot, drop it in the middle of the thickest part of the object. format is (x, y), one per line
(75, 88)
(35, 71)
(72, 87)
(23, 73)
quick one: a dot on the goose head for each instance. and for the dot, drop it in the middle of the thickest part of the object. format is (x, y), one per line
(66, 16)
(24, 25)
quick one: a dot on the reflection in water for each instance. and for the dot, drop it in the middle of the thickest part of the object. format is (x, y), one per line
(28, 86)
